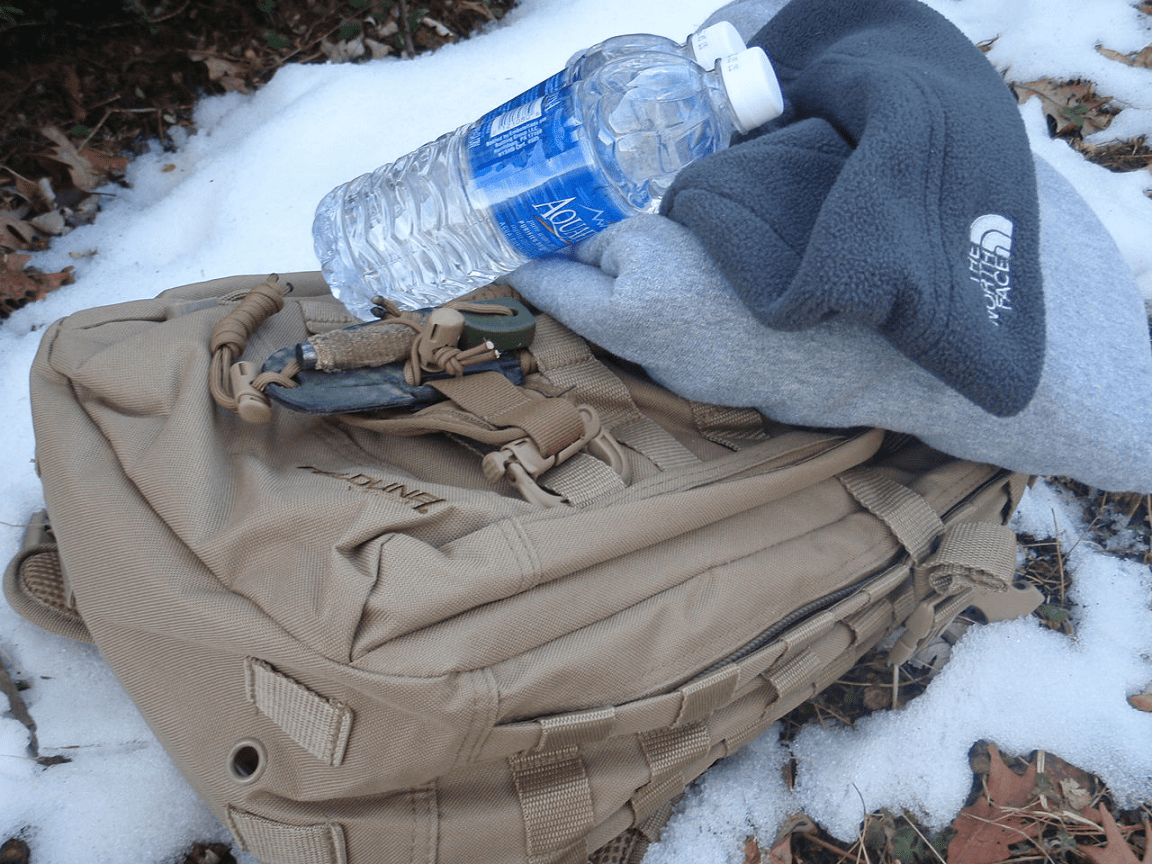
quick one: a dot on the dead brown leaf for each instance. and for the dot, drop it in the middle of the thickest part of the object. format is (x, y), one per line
(751, 851)
(87, 169)
(1143, 58)
(1062, 779)
(1141, 701)
(226, 72)
(1116, 849)
(19, 285)
(16, 233)
(1073, 107)
(987, 829)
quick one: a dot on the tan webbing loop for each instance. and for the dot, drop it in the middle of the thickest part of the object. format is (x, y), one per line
(321, 726)
(568, 730)
(974, 558)
(871, 621)
(582, 479)
(552, 424)
(671, 748)
(556, 802)
(650, 799)
(796, 675)
(734, 428)
(973, 554)
(699, 699)
(566, 360)
(909, 517)
(282, 843)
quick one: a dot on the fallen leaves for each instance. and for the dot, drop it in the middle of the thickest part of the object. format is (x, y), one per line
(31, 213)
(1075, 112)
(229, 73)
(1052, 807)
(987, 829)
(752, 853)
(1142, 58)
(1116, 849)
(20, 285)
(87, 168)
(1072, 107)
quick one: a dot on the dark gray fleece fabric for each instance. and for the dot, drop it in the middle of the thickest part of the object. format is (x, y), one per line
(897, 191)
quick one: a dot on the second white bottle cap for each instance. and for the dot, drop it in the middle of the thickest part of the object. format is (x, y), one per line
(752, 87)
(714, 43)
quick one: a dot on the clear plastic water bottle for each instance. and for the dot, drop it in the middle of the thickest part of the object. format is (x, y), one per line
(706, 47)
(545, 170)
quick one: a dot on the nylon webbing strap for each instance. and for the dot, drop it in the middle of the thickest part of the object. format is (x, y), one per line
(699, 699)
(648, 800)
(288, 844)
(671, 748)
(910, 518)
(570, 730)
(556, 801)
(552, 424)
(565, 360)
(734, 428)
(979, 554)
(321, 726)
(581, 479)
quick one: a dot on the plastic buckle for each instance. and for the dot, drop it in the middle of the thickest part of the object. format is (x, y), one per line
(522, 463)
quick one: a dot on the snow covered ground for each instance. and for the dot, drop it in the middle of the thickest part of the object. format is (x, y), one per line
(238, 196)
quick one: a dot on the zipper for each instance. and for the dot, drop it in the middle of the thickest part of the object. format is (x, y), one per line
(828, 600)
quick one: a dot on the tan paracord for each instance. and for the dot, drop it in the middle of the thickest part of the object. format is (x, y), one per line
(235, 386)
(239, 386)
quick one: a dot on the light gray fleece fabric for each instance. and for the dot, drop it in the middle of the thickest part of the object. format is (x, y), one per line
(646, 290)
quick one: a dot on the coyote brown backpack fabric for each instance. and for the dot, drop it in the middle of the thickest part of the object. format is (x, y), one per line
(510, 626)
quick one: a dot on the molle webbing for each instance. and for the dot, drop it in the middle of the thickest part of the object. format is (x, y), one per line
(566, 361)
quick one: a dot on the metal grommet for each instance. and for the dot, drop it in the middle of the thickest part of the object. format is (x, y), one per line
(247, 760)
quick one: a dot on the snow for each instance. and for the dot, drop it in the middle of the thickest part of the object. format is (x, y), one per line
(238, 196)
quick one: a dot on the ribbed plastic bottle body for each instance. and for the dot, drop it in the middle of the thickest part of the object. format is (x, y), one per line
(408, 232)
(543, 171)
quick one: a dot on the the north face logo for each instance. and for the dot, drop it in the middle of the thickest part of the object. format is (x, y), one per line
(990, 262)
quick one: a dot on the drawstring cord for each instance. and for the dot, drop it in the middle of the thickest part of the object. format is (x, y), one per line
(238, 386)
(233, 384)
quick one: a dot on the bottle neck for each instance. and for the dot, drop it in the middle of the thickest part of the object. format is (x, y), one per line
(718, 96)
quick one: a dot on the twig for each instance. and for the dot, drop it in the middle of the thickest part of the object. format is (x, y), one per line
(17, 708)
(406, 29)
(864, 827)
(170, 14)
(1059, 556)
(96, 128)
(832, 847)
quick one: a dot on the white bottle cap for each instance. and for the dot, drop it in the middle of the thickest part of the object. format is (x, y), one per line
(715, 42)
(752, 88)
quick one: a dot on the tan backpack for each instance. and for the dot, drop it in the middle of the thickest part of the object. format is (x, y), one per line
(508, 626)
